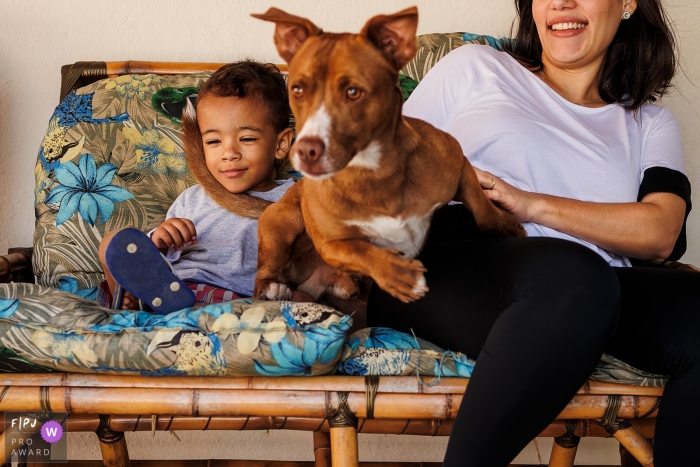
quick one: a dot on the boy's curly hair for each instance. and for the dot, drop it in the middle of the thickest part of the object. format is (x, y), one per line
(252, 80)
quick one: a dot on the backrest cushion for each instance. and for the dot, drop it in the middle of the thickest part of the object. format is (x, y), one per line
(432, 47)
(112, 157)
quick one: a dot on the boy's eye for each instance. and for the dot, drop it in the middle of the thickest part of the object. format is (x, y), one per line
(248, 139)
(297, 91)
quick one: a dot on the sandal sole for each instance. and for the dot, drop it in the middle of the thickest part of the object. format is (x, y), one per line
(137, 266)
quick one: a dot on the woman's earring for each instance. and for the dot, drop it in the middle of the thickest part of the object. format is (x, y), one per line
(626, 15)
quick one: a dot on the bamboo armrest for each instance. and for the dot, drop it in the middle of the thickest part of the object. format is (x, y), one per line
(16, 266)
(80, 74)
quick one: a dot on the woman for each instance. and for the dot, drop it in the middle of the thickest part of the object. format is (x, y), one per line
(560, 127)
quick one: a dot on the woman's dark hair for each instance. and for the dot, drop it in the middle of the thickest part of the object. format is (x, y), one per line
(638, 66)
(252, 80)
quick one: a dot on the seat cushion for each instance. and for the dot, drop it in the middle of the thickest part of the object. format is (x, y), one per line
(45, 329)
(387, 352)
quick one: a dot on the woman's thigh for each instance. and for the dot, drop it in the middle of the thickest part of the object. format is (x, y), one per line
(659, 328)
(537, 285)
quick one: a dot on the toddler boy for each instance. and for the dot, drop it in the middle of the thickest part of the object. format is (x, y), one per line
(242, 113)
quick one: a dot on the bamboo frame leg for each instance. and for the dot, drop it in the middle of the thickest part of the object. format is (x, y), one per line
(562, 457)
(626, 434)
(627, 459)
(5, 457)
(343, 428)
(637, 445)
(112, 445)
(344, 451)
(322, 449)
(565, 447)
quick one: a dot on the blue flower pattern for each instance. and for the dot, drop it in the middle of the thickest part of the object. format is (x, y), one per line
(73, 109)
(86, 189)
(321, 345)
(385, 351)
(492, 41)
(8, 307)
(70, 285)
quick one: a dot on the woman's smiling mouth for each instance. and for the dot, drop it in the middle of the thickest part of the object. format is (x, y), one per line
(566, 26)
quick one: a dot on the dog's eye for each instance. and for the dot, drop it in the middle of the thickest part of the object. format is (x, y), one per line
(297, 91)
(353, 94)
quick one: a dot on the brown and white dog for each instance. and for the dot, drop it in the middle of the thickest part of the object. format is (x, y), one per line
(372, 178)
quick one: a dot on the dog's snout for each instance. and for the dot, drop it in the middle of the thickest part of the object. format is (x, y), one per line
(310, 149)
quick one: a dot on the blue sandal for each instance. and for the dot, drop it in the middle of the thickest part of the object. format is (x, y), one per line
(137, 266)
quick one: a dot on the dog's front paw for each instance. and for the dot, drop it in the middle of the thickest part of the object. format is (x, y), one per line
(275, 291)
(401, 277)
(510, 225)
(501, 223)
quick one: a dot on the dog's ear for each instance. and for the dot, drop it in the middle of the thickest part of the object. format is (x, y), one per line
(290, 31)
(395, 35)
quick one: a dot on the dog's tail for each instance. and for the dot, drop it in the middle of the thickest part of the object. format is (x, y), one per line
(238, 203)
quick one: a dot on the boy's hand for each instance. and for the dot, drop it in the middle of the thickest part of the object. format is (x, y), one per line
(174, 233)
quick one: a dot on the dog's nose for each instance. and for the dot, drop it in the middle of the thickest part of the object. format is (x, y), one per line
(310, 149)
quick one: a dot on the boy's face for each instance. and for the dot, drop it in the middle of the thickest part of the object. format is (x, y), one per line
(240, 145)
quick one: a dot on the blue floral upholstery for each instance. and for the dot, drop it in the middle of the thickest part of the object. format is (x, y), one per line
(387, 352)
(45, 329)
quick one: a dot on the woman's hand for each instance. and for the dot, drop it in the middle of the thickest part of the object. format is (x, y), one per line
(175, 233)
(646, 230)
(513, 200)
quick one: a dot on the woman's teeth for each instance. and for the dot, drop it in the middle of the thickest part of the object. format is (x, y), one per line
(564, 26)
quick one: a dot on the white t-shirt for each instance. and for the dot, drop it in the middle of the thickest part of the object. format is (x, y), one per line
(512, 124)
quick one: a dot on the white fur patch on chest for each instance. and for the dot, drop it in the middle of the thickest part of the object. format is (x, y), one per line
(406, 235)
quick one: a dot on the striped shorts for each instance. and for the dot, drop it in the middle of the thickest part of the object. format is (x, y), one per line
(203, 294)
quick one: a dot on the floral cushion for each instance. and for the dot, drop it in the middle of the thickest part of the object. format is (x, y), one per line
(432, 47)
(44, 329)
(386, 352)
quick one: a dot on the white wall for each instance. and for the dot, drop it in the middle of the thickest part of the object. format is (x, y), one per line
(38, 36)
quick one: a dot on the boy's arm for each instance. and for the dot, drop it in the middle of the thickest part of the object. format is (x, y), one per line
(177, 230)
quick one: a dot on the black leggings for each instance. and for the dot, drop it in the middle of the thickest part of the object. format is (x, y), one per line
(537, 313)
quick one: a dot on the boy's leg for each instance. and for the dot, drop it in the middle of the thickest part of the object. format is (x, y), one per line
(128, 301)
(132, 261)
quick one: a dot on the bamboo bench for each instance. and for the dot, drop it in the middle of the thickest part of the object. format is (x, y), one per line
(334, 408)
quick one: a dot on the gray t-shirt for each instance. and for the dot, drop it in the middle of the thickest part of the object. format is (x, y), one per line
(226, 252)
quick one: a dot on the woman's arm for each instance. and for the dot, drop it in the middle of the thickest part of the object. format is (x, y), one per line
(646, 230)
